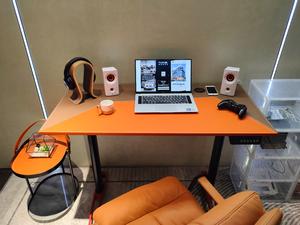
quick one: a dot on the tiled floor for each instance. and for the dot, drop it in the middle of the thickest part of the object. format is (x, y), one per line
(14, 195)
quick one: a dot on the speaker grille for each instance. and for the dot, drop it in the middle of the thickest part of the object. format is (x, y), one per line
(230, 77)
(110, 77)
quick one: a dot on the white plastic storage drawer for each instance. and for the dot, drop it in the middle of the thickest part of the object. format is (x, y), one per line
(273, 173)
(279, 100)
(264, 169)
(296, 193)
(271, 190)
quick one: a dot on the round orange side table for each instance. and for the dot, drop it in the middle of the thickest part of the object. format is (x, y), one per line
(53, 195)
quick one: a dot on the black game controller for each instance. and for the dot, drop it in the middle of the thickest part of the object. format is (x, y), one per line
(232, 106)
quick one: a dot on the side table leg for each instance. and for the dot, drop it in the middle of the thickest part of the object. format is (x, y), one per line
(72, 173)
(29, 187)
(215, 159)
(62, 167)
(95, 159)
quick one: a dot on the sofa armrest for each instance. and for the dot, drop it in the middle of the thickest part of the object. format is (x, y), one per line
(272, 217)
(139, 201)
(211, 190)
(244, 208)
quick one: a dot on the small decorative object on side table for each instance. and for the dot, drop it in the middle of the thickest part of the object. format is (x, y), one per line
(40, 145)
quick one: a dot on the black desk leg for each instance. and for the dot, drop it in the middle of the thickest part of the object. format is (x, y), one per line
(213, 165)
(95, 159)
(215, 159)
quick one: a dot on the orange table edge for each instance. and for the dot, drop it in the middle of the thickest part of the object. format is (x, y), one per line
(83, 119)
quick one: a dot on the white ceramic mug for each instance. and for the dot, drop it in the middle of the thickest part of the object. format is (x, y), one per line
(107, 106)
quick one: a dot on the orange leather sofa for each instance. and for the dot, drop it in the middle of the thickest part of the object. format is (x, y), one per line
(168, 202)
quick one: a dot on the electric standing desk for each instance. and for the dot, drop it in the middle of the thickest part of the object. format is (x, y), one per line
(83, 119)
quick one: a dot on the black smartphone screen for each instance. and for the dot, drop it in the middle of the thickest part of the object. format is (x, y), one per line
(211, 90)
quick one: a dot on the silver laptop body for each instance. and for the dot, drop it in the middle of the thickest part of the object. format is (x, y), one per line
(164, 86)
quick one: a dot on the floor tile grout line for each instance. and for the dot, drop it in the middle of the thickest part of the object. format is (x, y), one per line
(14, 213)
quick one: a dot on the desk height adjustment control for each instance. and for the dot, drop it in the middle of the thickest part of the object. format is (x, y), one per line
(245, 140)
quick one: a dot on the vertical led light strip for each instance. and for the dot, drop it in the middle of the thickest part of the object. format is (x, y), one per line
(284, 38)
(34, 73)
(286, 31)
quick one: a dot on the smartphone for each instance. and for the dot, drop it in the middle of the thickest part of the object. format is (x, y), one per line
(211, 90)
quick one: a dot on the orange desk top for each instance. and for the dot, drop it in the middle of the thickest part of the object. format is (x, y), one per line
(208, 122)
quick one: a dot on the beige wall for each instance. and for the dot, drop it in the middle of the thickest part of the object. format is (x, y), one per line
(213, 33)
(19, 104)
(289, 66)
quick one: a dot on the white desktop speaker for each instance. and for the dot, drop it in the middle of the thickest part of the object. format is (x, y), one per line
(111, 81)
(230, 80)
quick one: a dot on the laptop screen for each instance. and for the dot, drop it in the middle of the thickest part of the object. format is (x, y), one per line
(163, 75)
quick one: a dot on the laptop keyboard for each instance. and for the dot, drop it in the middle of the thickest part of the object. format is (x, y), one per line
(164, 99)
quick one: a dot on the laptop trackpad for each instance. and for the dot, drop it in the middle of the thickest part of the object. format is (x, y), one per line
(166, 108)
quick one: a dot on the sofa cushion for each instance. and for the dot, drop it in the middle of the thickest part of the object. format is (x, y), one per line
(273, 217)
(156, 202)
(244, 208)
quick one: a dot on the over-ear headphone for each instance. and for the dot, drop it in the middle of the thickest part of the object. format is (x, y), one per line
(68, 79)
(89, 78)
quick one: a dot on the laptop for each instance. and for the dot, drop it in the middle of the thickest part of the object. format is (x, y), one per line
(164, 86)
